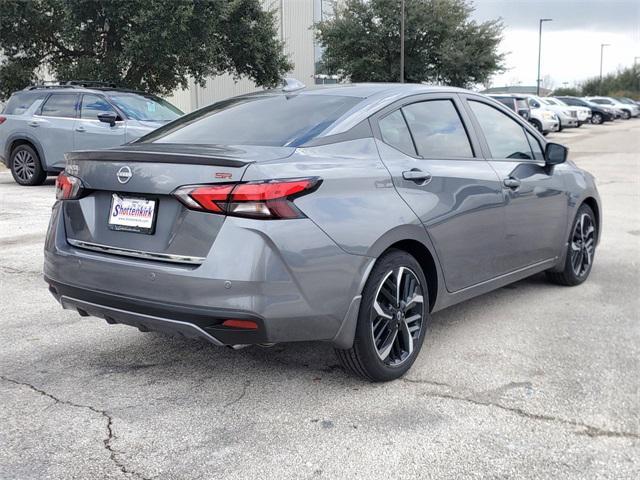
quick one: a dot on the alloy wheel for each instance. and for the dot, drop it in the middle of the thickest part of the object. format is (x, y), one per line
(397, 316)
(24, 165)
(582, 245)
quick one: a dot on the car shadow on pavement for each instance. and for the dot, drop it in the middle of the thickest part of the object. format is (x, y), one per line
(177, 359)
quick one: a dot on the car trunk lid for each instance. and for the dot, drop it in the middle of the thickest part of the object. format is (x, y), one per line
(141, 178)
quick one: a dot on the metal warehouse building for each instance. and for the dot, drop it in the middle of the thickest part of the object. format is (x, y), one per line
(295, 19)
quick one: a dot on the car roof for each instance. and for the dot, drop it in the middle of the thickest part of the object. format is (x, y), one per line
(361, 90)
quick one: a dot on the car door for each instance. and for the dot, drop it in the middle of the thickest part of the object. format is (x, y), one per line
(534, 194)
(53, 126)
(91, 132)
(454, 191)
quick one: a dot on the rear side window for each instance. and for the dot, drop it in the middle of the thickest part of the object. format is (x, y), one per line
(506, 137)
(60, 105)
(506, 101)
(269, 120)
(21, 102)
(437, 129)
(522, 104)
(94, 105)
(394, 131)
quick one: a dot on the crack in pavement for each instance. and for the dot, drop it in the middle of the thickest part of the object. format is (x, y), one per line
(588, 430)
(240, 397)
(110, 433)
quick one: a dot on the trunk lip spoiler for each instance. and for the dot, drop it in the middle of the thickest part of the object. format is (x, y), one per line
(151, 156)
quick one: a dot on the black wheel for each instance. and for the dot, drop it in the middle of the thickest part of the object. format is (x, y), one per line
(392, 320)
(626, 114)
(538, 125)
(559, 125)
(597, 119)
(26, 167)
(580, 251)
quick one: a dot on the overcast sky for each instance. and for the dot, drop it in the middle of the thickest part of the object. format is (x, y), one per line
(570, 43)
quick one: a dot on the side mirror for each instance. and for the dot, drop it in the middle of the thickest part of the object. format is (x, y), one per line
(108, 117)
(555, 154)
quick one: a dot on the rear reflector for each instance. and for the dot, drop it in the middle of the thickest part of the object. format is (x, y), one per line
(270, 199)
(2, 119)
(247, 324)
(68, 187)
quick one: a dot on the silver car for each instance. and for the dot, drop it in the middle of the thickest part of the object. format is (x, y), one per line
(345, 214)
(40, 124)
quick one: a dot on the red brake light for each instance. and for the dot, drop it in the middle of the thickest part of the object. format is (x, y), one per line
(270, 199)
(2, 119)
(68, 187)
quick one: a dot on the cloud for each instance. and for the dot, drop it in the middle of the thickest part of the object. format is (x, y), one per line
(617, 16)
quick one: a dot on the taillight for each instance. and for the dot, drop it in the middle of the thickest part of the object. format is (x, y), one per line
(269, 199)
(68, 187)
(2, 119)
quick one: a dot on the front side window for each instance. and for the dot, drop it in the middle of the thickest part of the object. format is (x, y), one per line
(506, 137)
(394, 131)
(267, 120)
(94, 105)
(60, 105)
(144, 108)
(437, 129)
(538, 154)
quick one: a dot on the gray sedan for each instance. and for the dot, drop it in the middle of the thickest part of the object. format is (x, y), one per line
(345, 214)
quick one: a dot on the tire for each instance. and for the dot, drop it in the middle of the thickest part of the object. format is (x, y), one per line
(586, 241)
(401, 331)
(560, 127)
(26, 167)
(538, 125)
(597, 119)
(626, 114)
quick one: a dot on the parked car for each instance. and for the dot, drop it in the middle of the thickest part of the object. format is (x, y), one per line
(583, 114)
(566, 117)
(628, 101)
(627, 110)
(516, 103)
(40, 124)
(599, 113)
(345, 214)
(542, 118)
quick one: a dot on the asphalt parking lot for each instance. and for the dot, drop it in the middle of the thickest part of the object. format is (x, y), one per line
(530, 381)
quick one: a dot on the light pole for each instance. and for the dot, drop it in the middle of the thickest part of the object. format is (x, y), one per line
(402, 42)
(602, 45)
(540, 51)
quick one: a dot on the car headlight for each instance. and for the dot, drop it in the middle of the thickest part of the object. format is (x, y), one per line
(547, 115)
(567, 113)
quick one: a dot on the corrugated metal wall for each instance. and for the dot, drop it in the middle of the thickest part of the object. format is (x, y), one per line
(294, 21)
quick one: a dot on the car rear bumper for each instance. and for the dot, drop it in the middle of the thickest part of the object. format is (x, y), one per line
(290, 279)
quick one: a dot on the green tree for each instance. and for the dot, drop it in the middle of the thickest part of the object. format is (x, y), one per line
(442, 44)
(567, 91)
(625, 82)
(153, 45)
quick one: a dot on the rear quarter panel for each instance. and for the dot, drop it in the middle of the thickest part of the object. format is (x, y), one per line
(356, 204)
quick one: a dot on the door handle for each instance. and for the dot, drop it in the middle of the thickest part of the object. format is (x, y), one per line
(81, 129)
(34, 123)
(511, 182)
(416, 175)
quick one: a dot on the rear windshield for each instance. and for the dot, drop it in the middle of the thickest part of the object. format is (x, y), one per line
(20, 102)
(145, 108)
(268, 120)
